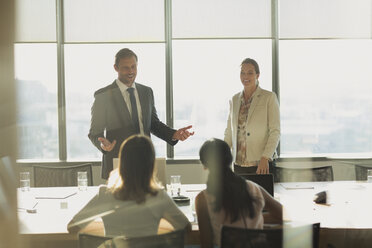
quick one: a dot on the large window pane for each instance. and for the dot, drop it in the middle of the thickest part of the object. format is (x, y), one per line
(37, 116)
(35, 20)
(206, 74)
(326, 102)
(114, 20)
(90, 67)
(221, 18)
(325, 18)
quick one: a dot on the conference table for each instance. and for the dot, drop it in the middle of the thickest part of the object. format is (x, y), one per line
(345, 220)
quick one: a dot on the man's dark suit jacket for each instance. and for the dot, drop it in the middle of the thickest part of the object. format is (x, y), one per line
(110, 113)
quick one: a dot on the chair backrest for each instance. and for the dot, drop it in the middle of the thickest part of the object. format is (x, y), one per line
(361, 172)
(91, 241)
(60, 176)
(303, 236)
(168, 240)
(160, 164)
(317, 174)
(266, 181)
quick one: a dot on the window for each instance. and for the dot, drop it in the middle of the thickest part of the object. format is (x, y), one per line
(221, 18)
(114, 20)
(90, 67)
(316, 53)
(206, 81)
(325, 19)
(210, 40)
(326, 98)
(37, 116)
(34, 25)
(325, 82)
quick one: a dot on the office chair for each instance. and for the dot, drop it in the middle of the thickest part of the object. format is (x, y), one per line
(266, 181)
(60, 176)
(361, 172)
(303, 236)
(318, 174)
(168, 240)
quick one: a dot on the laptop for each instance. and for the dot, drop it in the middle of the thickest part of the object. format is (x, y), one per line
(266, 181)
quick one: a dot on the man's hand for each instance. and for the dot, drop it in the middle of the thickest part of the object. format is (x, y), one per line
(263, 166)
(182, 133)
(106, 145)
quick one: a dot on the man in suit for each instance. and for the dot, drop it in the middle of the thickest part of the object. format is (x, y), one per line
(124, 108)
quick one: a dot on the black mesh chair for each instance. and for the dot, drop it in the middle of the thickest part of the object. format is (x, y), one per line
(91, 241)
(317, 174)
(266, 181)
(361, 172)
(232, 237)
(169, 240)
(60, 176)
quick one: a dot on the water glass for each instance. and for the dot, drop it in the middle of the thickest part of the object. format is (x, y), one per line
(369, 176)
(82, 180)
(193, 210)
(175, 184)
(24, 178)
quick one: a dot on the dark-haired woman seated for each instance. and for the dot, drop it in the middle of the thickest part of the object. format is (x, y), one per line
(134, 204)
(229, 199)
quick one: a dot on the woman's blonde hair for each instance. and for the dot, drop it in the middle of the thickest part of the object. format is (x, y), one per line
(135, 177)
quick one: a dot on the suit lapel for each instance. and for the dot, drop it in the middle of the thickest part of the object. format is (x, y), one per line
(254, 103)
(119, 103)
(236, 109)
(144, 103)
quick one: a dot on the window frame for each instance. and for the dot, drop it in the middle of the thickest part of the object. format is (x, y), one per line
(171, 159)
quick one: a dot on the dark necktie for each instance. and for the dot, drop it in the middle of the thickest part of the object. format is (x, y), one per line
(134, 110)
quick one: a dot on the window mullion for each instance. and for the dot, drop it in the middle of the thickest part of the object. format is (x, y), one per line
(169, 70)
(61, 83)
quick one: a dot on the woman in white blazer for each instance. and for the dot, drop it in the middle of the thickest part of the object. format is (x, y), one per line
(253, 126)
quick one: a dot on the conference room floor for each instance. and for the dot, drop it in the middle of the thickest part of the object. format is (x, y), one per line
(345, 220)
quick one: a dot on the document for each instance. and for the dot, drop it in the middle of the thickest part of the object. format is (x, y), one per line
(297, 185)
(55, 193)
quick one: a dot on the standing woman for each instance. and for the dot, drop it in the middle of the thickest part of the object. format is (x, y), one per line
(229, 199)
(134, 205)
(253, 126)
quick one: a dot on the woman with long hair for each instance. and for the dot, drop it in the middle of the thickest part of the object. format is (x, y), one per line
(229, 199)
(134, 203)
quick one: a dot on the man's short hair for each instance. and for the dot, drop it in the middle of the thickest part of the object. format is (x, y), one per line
(124, 53)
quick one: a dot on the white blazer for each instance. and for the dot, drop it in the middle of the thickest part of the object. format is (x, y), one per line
(263, 125)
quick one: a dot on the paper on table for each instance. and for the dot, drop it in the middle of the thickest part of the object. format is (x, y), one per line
(297, 185)
(26, 201)
(61, 193)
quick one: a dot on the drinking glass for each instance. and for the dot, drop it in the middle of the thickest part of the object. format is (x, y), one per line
(24, 178)
(193, 210)
(369, 176)
(82, 180)
(175, 184)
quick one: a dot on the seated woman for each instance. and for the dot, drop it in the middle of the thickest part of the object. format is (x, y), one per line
(134, 205)
(229, 199)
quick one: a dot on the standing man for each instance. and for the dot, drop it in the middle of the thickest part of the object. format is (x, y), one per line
(124, 108)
